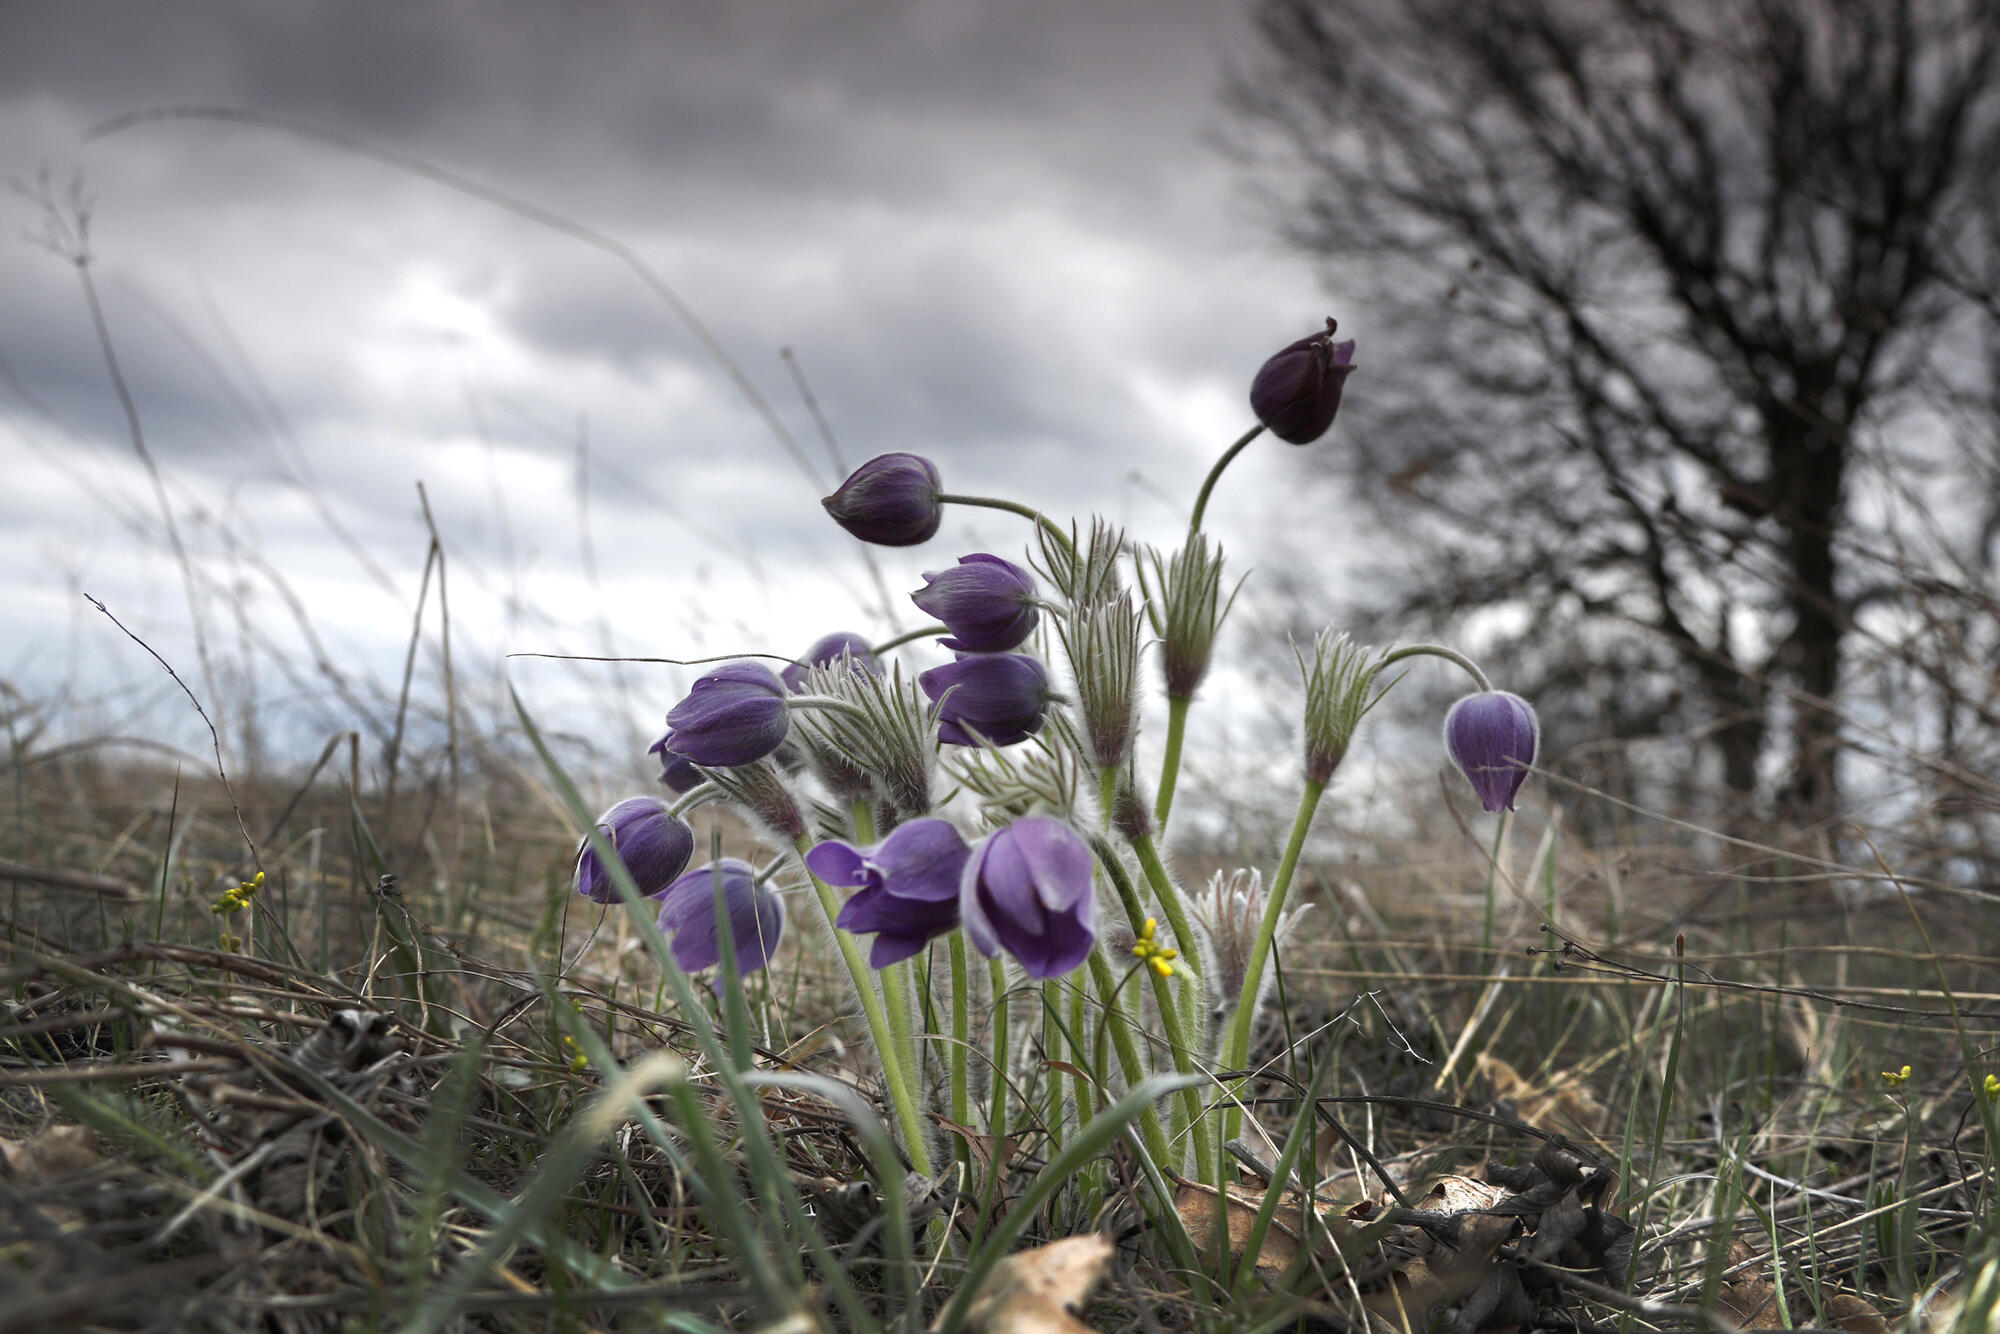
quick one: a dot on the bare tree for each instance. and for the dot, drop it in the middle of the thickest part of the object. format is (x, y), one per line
(1691, 309)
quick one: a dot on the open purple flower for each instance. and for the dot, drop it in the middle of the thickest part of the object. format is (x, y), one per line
(654, 844)
(687, 917)
(676, 771)
(734, 715)
(1297, 391)
(997, 697)
(987, 603)
(1493, 737)
(909, 886)
(827, 651)
(1026, 890)
(893, 500)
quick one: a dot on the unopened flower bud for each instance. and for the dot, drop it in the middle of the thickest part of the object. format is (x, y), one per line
(1027, 890)
(652, 842)
(996, 698)
(734, 715)
(1297, 391)
(687, 917)
(987, 603)
(893, 500)
(677, 771)
(1493, 737)
(826, 652)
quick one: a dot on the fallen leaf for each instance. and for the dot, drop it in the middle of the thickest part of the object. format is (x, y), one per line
(58, 1151)
(1561, 1101)
(1854, 1315)
(1036, 1291)
(1748, 1298)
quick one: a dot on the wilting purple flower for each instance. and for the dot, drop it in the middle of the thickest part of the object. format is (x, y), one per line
(987, 603)
(1493, 737)
(893, 500)
(909, 886)
(654, 844)
(687, 917)
(1297, 391)
(1002, 697)
(1026, 890)
(734, 715)
(826, 652)
(676, 771)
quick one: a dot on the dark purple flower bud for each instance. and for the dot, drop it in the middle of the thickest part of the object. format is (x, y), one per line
(909, 886)
(654, 844)
(1297, 391)
(826, 652)
(676, 771)
(893, 500)
(1026, 890)
(987, 603)
(1000, 698)
(734, 715)
(687, 917)
(1493, 737)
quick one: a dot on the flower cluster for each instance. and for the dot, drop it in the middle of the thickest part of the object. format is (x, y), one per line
(237, 899)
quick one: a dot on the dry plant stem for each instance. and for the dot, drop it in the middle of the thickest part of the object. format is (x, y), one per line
(894, 1074)
(1215, 474)
(1237, 1050)
(1170, 767)
(1015, 507)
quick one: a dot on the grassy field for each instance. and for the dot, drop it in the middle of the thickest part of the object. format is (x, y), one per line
(1633, 1086)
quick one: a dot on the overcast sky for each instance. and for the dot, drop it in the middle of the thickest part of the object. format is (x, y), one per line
(999, 234)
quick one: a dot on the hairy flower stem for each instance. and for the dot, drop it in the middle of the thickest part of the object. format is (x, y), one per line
(1451, 655)
(910, 637)
(1215, 473)
(1015, 507)
(996, 1117)
(1170, 767)
(1086, 1100)
(1163, 996)
(864, 823)
(961, 1029)
(1237, 1050)
(895, 1076)
(1052, 1095)
(1170, 901)
(1150, 1129)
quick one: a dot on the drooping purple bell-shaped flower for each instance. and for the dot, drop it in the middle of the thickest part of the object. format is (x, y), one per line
(909, 886)
(1297, 391)
(1493, 737)
(687, 917)
(1026, 890)
(654, 844)
(734, 715)
(893, 500)
(987, 603)
(1000, 698)
(678, 772)
(826, 652)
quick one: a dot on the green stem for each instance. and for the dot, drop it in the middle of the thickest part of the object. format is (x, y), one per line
(1107, 793)
(1085, 1095)
(996, 1113)
(961, 1031)
(921, 632)
(895, 981)
(1128, 1060)
(1215, 473)
(1237, 1050)
(1163, 996)
(1170, 767)
(1015, 507)
(908, 1118)
(1052, 1099)
(864, 822)
(1450, 655)
(695, 796)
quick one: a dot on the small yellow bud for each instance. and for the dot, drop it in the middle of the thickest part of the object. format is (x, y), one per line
(1992, 1088)
(1162, 967)
(1896, 1078)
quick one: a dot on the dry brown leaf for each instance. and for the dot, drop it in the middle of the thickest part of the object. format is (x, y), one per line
(1563, 1101)
(1748, 1298)
(1850, 1313)
(1197, 1204)
(1437, 1274)
(1034, 1292)
(58, 1151)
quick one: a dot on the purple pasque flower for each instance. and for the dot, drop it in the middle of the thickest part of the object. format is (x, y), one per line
(827, 651)
(651, 840)
(1297, 391)
(734, 715)
(677, 771)
(893, 500)
(1026, 890)
(987, 603)
(687, 917)
(909, 886)
(999, 698)
(1493, 737)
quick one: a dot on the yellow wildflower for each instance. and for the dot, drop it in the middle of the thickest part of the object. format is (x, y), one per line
(1896, 1078)
(1154, 955)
